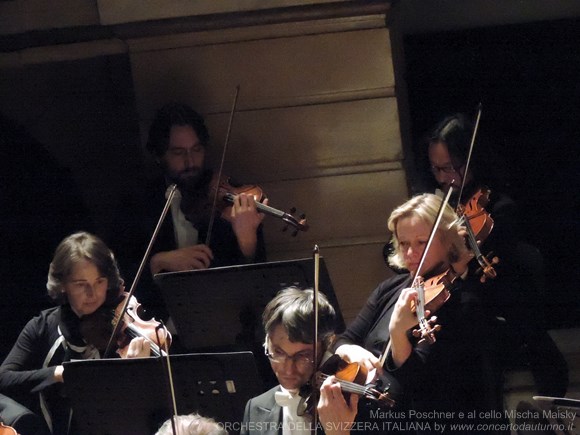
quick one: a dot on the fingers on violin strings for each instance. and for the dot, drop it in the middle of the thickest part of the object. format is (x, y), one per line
(337, 396)
(409, 295)
(139, 347)
(146, 349)
(135, 347)
(332, 388)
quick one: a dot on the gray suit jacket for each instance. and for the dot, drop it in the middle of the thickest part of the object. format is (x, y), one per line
(263, 415)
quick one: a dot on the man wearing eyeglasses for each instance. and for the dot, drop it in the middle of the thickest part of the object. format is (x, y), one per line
(288, 323)
(516, 296)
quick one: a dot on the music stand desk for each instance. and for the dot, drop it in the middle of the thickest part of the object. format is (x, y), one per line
(222, 307)
(131, 396)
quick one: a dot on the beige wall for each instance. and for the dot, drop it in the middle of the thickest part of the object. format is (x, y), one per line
(317, 127)
(317, 124)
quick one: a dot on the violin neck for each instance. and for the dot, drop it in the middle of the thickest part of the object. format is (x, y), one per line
(155, 349)
(266, 209)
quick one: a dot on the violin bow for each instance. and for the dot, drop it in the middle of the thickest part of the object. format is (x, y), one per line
(117, 327)
(467, 162)
(169, 381)
(486, 265)
(226, 142)
(316, 257)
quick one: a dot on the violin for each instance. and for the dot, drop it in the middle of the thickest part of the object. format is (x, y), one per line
(197, 206)
(436, 290)
(474, 217)
(134, 326)
(352, 378)
(479, 224)
(98, 327)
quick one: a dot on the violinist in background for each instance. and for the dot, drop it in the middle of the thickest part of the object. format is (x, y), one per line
(288, 323)
(447, 377)
(178, 141)
(516, 295)
(83, 278)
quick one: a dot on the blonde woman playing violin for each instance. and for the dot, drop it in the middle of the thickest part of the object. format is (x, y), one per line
(433, 384)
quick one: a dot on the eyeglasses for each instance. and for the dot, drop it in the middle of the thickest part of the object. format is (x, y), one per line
(448, 169)
(301, 359)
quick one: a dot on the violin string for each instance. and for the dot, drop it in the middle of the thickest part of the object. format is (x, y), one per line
(348, 386)
(470, 235)
(132, 332)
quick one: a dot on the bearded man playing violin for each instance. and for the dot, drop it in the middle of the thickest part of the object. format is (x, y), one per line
(516, 296)
(434, 385)
(83, 279)
(178, 141)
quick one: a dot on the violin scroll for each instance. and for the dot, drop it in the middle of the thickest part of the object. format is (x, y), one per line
(427, 329)
(486, 270)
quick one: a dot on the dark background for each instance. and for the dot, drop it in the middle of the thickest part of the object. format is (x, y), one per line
(527, 77)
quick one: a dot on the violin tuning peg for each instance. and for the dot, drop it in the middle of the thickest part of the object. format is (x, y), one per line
(292, 210)
(303, 216)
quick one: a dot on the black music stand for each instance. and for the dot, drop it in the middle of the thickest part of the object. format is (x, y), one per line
(131, 396)
(562, 402)
(222, 307)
